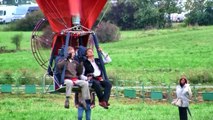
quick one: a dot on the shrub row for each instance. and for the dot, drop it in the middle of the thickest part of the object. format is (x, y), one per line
(23, 78)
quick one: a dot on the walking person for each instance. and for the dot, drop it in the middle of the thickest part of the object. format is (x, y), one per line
(183, 92)
(81, 108)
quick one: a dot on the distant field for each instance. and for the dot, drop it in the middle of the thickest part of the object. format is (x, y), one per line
(5, 39)
(162, 55)
(50, 107)
(155, 55)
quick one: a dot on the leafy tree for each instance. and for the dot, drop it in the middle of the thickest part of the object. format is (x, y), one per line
(201, 12)
(136, 14)
(208, 13)
(168, 7)
(122, 15)
(155, 13)
(147, 14)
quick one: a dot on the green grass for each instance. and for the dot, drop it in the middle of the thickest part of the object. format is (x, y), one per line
(155, 55)
(162, 55)
(17, 62)
(5, 39)
(50, 107)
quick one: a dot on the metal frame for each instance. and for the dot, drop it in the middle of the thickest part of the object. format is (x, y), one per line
(78, 31)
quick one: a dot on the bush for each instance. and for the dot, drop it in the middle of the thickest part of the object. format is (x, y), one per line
(27, 78)
(19, 78)
(107, 32)
(16, 39)
(26, 24)
(7, 78)
(203, 77)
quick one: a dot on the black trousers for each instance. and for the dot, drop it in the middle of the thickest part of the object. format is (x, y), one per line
(183, 113)
(102, 95)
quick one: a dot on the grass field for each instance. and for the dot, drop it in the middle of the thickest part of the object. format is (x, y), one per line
(155, 55)
(50, 107)
(160, 55)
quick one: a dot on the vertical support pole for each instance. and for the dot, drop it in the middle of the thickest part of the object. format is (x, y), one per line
(80, 41)
(43, 83)
(66, 44)
(169, 93)
(65, 55)
(143, 92)
(100, 57)
(49, 69)
(116, 92)
(195, 93)
(16, 86)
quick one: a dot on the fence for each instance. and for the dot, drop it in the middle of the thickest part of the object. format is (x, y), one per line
(27, 89)
(131, 90)
(164, 92)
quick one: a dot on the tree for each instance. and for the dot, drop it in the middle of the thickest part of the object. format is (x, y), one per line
(209, 13)
(156, 13)
(122, 15)
(168, 7)
(16, 39)
(147, 14)
(136, 14)
(201, 12)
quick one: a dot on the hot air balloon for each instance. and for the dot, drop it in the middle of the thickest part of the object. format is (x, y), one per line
(71, 22)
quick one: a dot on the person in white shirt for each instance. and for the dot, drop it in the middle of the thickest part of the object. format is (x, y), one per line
(183, 92)
(93, 73)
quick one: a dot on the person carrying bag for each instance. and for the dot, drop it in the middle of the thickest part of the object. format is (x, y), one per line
(184, 93)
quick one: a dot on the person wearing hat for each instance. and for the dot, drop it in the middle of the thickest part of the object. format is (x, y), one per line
(183, 92)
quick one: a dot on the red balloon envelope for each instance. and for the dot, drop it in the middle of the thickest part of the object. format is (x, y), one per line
(59, 12)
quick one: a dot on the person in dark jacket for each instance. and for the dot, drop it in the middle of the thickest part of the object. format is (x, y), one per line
(72, 72)
(93, 73)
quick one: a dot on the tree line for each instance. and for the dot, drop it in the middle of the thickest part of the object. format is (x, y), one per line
(143, 14)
